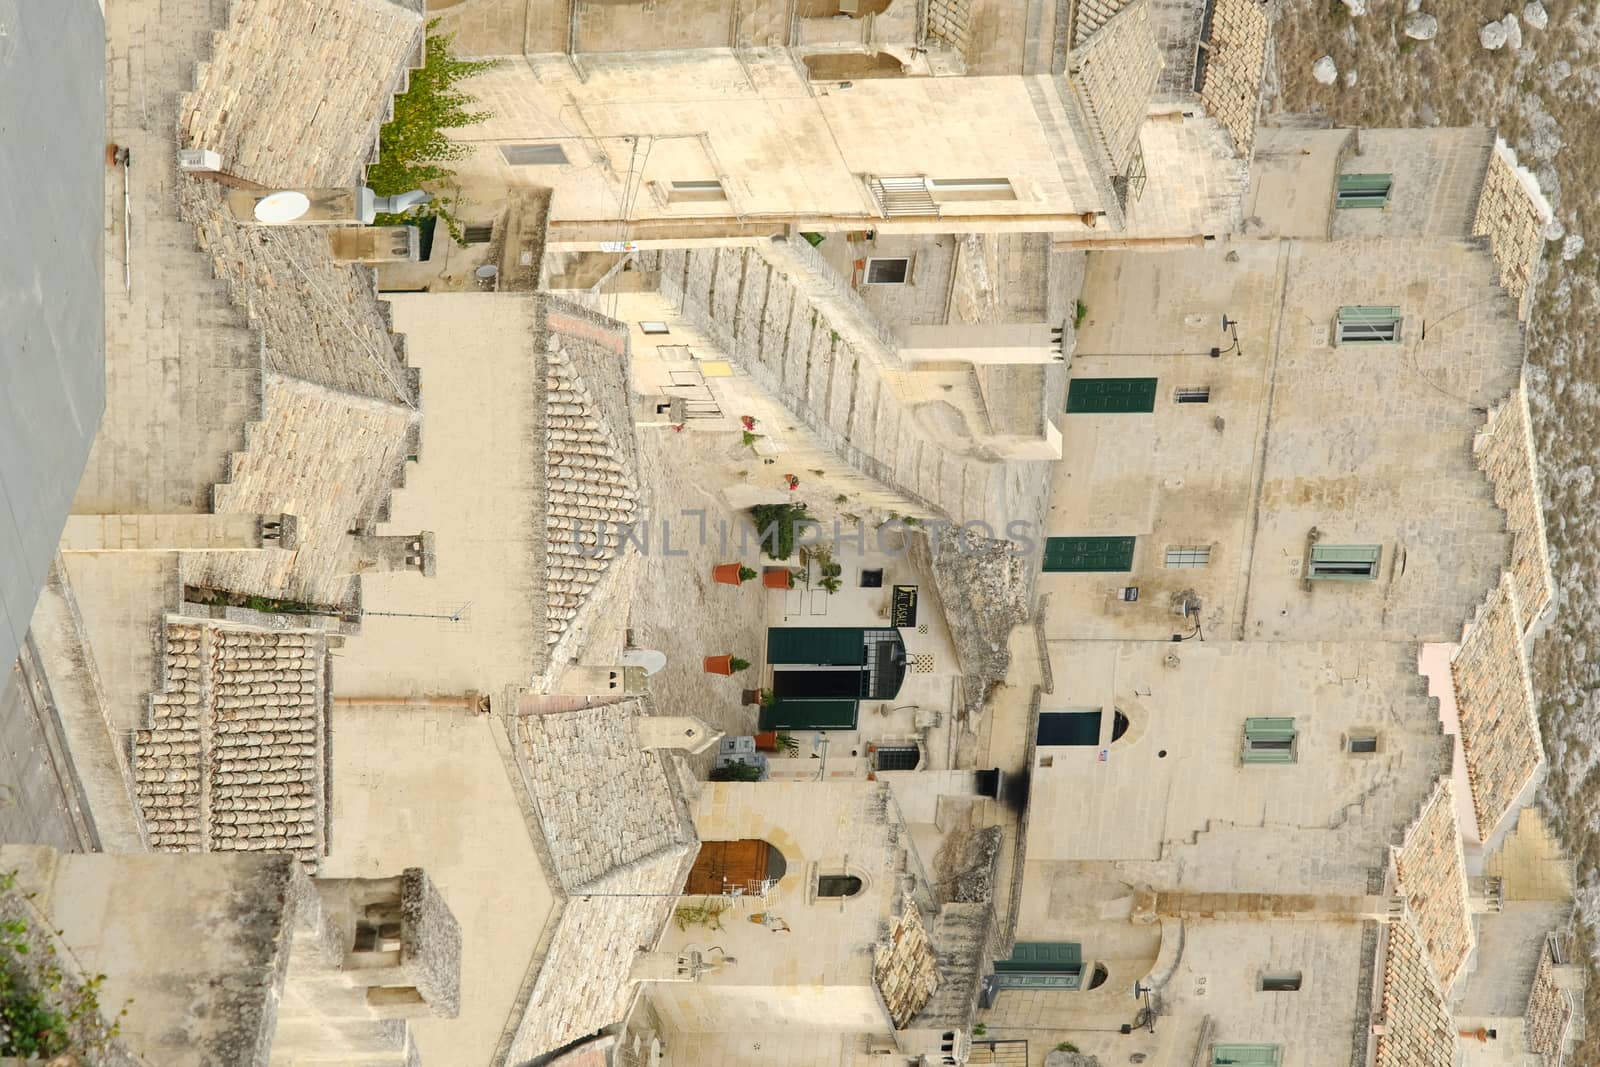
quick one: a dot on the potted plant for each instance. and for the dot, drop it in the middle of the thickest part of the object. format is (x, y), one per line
(731, 573)
(766, 740)
(789, 743)
(724, 664)
(779, 578)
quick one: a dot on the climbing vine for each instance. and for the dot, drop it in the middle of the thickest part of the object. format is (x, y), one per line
(414, 147)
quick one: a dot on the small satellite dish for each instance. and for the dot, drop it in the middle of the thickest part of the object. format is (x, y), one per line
(648, 658)
(275, 209)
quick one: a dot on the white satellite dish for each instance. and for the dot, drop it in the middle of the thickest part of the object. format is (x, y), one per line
(648, 658)
(275, 209)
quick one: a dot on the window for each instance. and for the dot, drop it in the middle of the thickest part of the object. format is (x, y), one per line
(1363, 190)
(1199, 394)
(1281, 982)
(1269, 740)
(898, 757)
(1122, 396)
(393, 996)
(654, 327)
(1088, 554)
(533, 155)
(888, 271)
(872, 579)
(695, 191)
(376, 936)
(1188, 558)
(946, 189)
(478, 235)
(1246, 1055)
(1080, 729)
(838, 885)
(1344, 563)
(1368, 325)
(1361, 743)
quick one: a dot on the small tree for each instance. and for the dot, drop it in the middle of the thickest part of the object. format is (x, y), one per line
(413, 147)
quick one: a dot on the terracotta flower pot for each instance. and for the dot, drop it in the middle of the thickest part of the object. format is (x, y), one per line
(719, 664)
(767, 741)
(726, 573)
(779, 579)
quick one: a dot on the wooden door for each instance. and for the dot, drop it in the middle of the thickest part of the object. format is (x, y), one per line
(722, 866)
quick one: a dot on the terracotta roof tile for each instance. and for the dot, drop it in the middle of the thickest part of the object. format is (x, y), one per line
(1433, 881)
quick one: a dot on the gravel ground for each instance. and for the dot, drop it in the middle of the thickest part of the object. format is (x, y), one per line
(677, 608)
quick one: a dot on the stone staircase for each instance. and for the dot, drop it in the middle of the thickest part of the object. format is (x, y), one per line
(799, 332)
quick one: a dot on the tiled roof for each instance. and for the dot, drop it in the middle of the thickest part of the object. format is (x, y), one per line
(1114, 74)
(1549, 1010)
(904, 967)
(235, 752)
(1506, 453)
(1089, 15)
(296, 90)
(329, 459)
(591, 467)
(1494, 699)
(1415, 1029)
(1235, 62)
(320, 320)
(1513, 214)
(603, 802)
(584, 983)
(618, 839)
(1433, 881)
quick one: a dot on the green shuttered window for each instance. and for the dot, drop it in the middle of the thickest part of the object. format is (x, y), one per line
(1088, 553)
(838, 646)
(1344, 563)
(786, 714)
(1368, 325)
(1364, 190)
(1086, 396)
(1269, 740)
(1043, 956)
(1246, 1055)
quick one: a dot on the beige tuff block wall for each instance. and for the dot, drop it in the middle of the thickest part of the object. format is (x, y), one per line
(1292, 182)
(752, 122)
(484, 388)
(1178, 770)
(428, 787)
(817, 975)
(1217, 982)
(1351, 444)
(1437, 175)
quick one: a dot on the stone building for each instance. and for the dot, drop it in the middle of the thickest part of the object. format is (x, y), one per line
(289, 969)
(561, 833)
(1293, 561)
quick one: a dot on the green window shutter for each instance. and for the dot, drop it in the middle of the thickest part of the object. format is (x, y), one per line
(1088, 553)
(1081, 728)
(1349, 563)
(1368, 325)
(839, 646)
(1110, 395)
(1043, 956)
(809, 715)
(1276, 736)
(1364, 190)
(1246, 1055)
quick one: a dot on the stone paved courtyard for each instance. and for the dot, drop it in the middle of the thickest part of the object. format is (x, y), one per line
(677, 608)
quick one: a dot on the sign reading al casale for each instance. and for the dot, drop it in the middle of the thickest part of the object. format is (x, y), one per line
(903, 606)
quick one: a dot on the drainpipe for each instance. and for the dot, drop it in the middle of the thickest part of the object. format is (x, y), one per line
(472, 700)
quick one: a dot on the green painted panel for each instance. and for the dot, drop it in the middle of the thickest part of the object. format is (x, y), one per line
(832, 645)
(1246, 1055)
(1269, 727)
(1043, 956)
(1111, 395)
(1088, 554)
(1364, 190)
(809, 715)
(1349, 563)
(1081, 728)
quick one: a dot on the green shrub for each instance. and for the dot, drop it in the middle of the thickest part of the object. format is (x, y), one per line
(413, 147)
(775, 525)
(738, 664)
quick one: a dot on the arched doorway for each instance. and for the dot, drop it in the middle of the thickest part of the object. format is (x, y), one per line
(724, 866)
